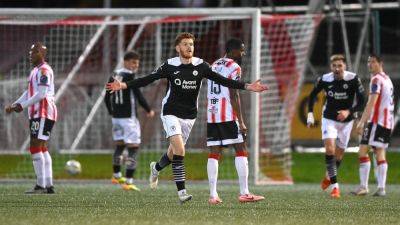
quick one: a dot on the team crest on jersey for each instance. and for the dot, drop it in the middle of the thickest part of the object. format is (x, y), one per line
(345, 86)
(330, 93)
(173, 128)
(213, 109)
(43, 79)
(195, 73)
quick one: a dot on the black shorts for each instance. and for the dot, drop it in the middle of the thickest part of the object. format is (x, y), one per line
(222, 134)
(376, 135)
(41, 128)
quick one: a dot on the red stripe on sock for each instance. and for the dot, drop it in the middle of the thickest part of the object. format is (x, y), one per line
(381, 162)
(44, 149)
(364, 159)
(35, 150)
(213, 156)
(242, 153)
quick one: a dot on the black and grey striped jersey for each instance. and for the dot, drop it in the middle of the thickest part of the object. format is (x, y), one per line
(339, 95)
(184, 82)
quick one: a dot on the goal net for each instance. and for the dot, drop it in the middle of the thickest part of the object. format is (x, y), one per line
(85, 47)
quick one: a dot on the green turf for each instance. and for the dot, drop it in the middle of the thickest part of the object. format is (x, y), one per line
(87, 203)
(307, 168)
(310, 167)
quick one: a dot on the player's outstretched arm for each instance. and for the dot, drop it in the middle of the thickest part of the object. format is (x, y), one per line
(256, 86)
(116, 85)
(136, 83)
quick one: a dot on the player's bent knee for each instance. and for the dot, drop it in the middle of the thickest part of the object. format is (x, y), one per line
(380, 154)
(363, 151)
(215, 149)
(34, 142)
(240, 147)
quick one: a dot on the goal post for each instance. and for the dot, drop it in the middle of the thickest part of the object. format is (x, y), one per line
(276, 46)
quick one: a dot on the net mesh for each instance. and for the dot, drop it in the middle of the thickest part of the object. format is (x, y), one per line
(285, 42)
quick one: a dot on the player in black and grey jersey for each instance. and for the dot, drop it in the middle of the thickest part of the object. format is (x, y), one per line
(341, 88)
(121, 105)
(179, 106)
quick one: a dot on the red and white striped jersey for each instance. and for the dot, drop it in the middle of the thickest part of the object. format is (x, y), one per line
(219, 108)
(45, 108)
(383, 111)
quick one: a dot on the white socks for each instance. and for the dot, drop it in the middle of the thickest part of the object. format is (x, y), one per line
(335, 185)
(38, 165)
(365, 167)
(212, 172)
(242, 169)
(129, 181)
(48, 169)
(381, 172)
(117, 175)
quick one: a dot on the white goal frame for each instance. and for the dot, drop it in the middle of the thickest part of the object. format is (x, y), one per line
(253, 13)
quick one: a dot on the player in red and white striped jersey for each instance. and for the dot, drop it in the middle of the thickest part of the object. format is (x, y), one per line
(379, 115)
(225, 125)
(42, 113)
(219, 107)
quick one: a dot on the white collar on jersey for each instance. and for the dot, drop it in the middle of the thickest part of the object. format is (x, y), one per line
(123, 70)
(329, 77)
(176, 61)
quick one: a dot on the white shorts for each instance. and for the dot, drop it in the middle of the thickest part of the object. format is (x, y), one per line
(174, 125)
(126, 129)
(337, 130)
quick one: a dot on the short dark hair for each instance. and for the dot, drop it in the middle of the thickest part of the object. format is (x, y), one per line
(182, 36)
(376, 56)
(233, 44)
(41, 47)
(131, 55)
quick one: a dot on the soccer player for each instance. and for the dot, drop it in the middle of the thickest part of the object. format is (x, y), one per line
(379, 116)
(225, 125)
(42, 112)
(121, 105)
(179, 107)
(341, 87)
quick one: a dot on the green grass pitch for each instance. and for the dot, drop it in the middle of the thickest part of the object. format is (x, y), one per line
(306, 168)
(102, 203)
